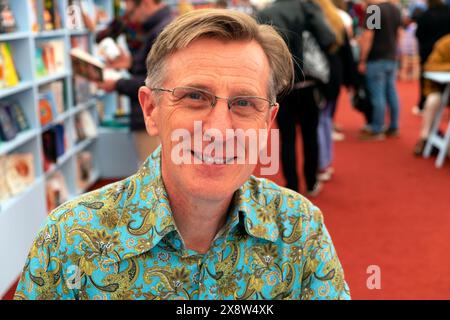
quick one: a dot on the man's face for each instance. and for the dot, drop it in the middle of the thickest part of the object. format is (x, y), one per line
(226, 69)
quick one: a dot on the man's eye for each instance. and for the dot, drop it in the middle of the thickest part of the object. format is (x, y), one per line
(194, 95)
(242, 103)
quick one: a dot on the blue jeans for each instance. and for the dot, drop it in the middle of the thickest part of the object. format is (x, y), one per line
(324, 133)
(380, 82)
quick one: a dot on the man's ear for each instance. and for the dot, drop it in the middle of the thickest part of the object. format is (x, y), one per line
(273, 114)
(148, 106)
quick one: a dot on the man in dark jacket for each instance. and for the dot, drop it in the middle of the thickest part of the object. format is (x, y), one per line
(291, 18)
(141, 25)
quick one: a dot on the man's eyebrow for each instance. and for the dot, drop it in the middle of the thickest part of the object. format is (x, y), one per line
(197, 85)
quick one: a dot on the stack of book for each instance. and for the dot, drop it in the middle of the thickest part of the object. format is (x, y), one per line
(50, 57)
(12, 120)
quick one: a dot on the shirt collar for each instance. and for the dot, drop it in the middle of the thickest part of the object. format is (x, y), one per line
(146, 216)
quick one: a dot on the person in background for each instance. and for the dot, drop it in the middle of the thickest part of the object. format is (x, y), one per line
(184, 6)
(432, 25)
(378, 54)
(141, 24)
(244, 6)
(221, 4)
(342, 70)
(409, 52)
(342, 8)
(301, 105)
(438, 60)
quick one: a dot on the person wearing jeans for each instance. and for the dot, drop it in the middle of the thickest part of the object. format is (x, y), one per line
(380, 78)
(378, 44)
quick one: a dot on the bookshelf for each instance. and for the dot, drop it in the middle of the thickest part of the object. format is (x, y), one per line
(22, 215)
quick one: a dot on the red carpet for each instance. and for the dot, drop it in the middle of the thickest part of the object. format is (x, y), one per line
(386, 207)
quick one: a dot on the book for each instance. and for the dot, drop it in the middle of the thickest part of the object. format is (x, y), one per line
(84, 169)
(49, 56)
(19, 117)
(11, 77)
(47, 107)
(19, 171)
(5, 193)
(85, 127)
(91, 67)
(7, 20)
(8, 129)
(82, 91)
(56, 191)
(52, 17)
(57, 90)
(34, 15)
(53, 145)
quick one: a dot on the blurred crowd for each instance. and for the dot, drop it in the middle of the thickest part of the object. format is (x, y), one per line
(361, 45)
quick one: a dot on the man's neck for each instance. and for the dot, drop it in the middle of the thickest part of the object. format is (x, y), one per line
(197, 220)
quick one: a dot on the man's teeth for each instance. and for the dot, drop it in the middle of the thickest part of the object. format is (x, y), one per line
(210, 160)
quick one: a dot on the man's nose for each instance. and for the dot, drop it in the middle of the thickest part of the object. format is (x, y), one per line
(220, 117)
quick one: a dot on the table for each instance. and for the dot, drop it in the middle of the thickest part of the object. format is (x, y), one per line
(441, 143)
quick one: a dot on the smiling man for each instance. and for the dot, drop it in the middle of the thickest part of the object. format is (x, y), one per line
(203, 228)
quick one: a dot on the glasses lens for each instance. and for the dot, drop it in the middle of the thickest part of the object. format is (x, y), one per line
(191, 97)
(248, 106)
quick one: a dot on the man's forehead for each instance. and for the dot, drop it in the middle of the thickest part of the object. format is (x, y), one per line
(207, 52)
(245, 58)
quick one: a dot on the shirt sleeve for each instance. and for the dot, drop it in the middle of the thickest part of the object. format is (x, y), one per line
(42, 277)
(323, 276)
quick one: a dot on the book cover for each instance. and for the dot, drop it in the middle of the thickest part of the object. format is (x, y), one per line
(34, 15)
(56, 191)
(10, 78)
(40, 66)
(19, 171)
(5, 193)
(86, 65)
(52, 16)
(60, 144)
(7, 19)
(8, 130)
(48, 56)
(49, 148)
(47, 107)
(19, 117)
(59, 52)
(57, 90)
(84, 169)
(85, 127)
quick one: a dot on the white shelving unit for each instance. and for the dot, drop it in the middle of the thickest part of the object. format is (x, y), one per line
(22, 215)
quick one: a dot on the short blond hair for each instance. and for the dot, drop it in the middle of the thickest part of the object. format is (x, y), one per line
(223, 25)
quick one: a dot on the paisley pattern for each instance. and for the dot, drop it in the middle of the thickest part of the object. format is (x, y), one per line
(120, 242)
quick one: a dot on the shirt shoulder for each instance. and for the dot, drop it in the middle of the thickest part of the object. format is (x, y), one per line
(296, 217)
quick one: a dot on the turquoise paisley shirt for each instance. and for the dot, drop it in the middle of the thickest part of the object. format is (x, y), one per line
(121, 242)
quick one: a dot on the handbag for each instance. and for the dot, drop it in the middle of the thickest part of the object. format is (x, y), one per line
(361, 99)
(315, 62)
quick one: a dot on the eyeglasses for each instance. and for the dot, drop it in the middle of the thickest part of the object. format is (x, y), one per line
(200, 99)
